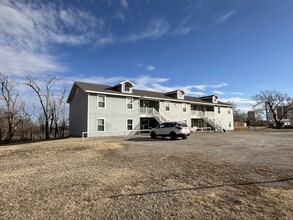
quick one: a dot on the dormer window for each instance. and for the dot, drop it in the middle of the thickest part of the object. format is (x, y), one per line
(127, 87)
(178, 94)
(124, 87)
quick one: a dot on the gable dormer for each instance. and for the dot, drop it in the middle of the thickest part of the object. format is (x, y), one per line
(178, 94)
(124, 87)
(211, 98)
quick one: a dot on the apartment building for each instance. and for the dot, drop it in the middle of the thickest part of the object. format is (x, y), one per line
(95, 108)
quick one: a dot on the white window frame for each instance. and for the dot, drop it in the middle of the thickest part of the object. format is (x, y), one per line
(229, 111)
(183, 107)
(127, 123)
(132, 99)
(219, 110)
(98, 96)
(98, 124)
(167, 104)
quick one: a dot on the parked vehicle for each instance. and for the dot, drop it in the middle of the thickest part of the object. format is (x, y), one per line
(171, 129)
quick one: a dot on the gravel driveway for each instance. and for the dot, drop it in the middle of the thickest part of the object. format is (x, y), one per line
(272, 148)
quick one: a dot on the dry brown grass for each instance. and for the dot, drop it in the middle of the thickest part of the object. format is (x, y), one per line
(70, 179)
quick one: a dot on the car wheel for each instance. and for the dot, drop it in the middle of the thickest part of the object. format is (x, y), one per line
(173, 136)
(153, 135)
(184, 137)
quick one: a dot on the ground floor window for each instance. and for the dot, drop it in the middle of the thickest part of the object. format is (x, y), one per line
(129, 124)
(101, 124)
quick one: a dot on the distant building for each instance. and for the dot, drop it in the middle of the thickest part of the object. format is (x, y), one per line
(283, 114)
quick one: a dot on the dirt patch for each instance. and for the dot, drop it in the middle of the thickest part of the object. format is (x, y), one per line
(100, 179)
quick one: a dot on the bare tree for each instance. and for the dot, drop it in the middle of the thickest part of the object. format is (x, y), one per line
(13, 109)
(270, 101)
(240, 115)
(44, 97)
(58, 110)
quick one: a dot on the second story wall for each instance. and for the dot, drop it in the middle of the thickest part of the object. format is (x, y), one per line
(176, 112)
(115, 112)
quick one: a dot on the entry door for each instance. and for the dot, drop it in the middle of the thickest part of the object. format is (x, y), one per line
(200, 123)
(145, 104)
(145, 124)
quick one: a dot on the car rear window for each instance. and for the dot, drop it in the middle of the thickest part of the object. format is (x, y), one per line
(182, 125)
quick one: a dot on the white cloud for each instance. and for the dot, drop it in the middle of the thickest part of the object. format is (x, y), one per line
(150, 67)
(225, 17)
(157, 27)
(236, 93)
(28, 32)
(183, 30)
(241, 103)
(119, 15)
(19, 62)
(220, 85)
(217, 92)
(124, 3)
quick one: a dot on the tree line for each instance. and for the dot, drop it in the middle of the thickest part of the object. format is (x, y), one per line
(18, 124)
(271, 108)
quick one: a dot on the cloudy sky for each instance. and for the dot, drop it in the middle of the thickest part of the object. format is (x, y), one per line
(232, 48)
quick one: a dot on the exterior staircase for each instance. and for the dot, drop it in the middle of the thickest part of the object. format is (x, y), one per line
(152, 112)
(215, 123)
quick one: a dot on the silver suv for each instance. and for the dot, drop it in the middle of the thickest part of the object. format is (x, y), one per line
(171, 129)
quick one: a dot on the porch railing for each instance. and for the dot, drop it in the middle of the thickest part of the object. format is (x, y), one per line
(200, 114)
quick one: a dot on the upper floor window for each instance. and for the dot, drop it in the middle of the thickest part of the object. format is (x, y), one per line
(101, 101)
(184, 107)
(127, 87)
(219, 109)
(229, 111)
(129, 103)
(167, 106)
(101, 124)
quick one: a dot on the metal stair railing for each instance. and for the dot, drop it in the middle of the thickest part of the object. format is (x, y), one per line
(152, 112)
(215, 123)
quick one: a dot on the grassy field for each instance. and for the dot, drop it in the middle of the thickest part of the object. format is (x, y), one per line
(111, 179)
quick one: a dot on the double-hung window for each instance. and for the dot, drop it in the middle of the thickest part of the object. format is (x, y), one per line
(101, 124)
(167, 106)
(101, 101)
(129, 124)
(129, 103)
(184, 107)
(219, 110)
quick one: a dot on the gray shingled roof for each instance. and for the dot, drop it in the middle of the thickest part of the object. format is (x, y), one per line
(137, 92)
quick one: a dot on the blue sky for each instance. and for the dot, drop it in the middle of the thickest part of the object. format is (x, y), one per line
(232, 48)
